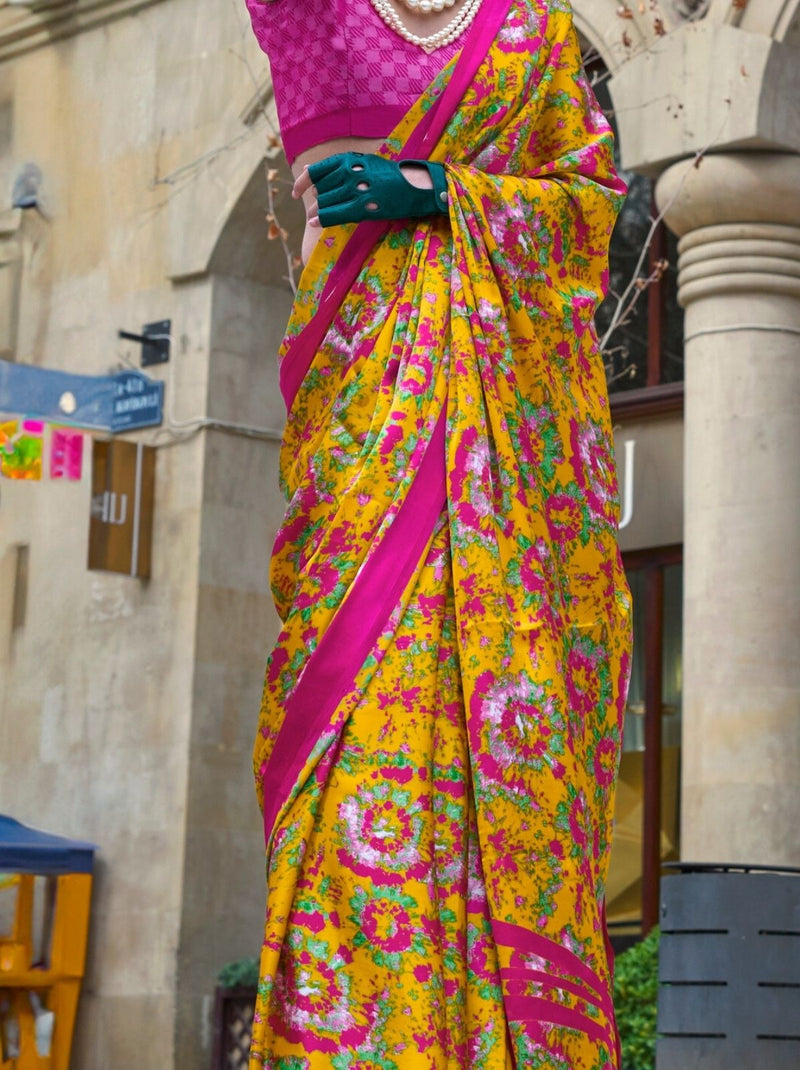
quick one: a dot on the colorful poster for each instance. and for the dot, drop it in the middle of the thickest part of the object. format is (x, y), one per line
(66, 454)
(21, 445)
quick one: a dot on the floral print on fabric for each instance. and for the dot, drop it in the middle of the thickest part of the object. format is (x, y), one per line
(437, 856)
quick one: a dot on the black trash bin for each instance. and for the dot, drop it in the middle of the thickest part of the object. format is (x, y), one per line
(729, 968)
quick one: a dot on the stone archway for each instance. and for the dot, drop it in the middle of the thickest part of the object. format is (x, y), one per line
(245, 302)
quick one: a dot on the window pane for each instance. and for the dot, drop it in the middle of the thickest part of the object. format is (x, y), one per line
(671, 698)
(673, 316)
(672, 666)
(625, 875)
(633, 735)
(625, 352)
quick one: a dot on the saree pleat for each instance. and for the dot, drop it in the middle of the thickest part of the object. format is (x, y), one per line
(442, 712)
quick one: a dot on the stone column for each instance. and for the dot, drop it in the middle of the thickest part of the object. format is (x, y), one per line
(738, 217)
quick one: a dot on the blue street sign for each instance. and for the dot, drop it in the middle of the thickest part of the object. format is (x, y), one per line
(120, 402)
(139, 401)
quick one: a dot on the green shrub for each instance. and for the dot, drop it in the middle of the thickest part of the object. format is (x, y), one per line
(243, 972)
(635, 997)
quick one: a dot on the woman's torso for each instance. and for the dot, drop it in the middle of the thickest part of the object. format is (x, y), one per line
(347, 52)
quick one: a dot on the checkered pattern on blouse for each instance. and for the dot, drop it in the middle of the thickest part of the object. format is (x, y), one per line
(331, 59)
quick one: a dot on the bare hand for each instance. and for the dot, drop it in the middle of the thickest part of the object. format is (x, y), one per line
(304, 188)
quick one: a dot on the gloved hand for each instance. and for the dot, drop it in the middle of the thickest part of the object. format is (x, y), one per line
(353, 186)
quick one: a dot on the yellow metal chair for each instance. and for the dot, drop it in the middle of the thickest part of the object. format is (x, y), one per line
(41, 990)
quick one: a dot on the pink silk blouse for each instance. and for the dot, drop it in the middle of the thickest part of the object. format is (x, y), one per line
(338, 70)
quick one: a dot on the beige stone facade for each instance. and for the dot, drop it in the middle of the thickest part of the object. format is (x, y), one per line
(127, 707)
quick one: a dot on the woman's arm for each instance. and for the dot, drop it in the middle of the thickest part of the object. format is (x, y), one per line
(351, 187)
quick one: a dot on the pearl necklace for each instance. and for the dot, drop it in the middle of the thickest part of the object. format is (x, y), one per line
(445, 36)
(427, 6)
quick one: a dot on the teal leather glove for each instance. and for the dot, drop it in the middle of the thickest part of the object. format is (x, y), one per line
(353, 186)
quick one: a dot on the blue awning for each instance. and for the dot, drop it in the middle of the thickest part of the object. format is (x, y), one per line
(27, 850)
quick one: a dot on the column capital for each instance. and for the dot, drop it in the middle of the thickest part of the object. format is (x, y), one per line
(731, 187)
(736, 215)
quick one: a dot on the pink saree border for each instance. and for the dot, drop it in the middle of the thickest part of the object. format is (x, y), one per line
(518, 975)
(354, 630)
(300, 351)
(536, 1009)
(520, 1008)
(330, 671)
(518, 938)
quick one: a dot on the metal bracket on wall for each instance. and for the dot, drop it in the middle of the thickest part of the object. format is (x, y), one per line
(154, 340)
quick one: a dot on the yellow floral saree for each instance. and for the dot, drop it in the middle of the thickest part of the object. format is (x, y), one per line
(442, 712)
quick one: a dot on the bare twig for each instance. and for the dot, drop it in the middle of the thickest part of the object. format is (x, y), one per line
(628, 372)
(276, 231)
(639, 283)
(187, 171)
